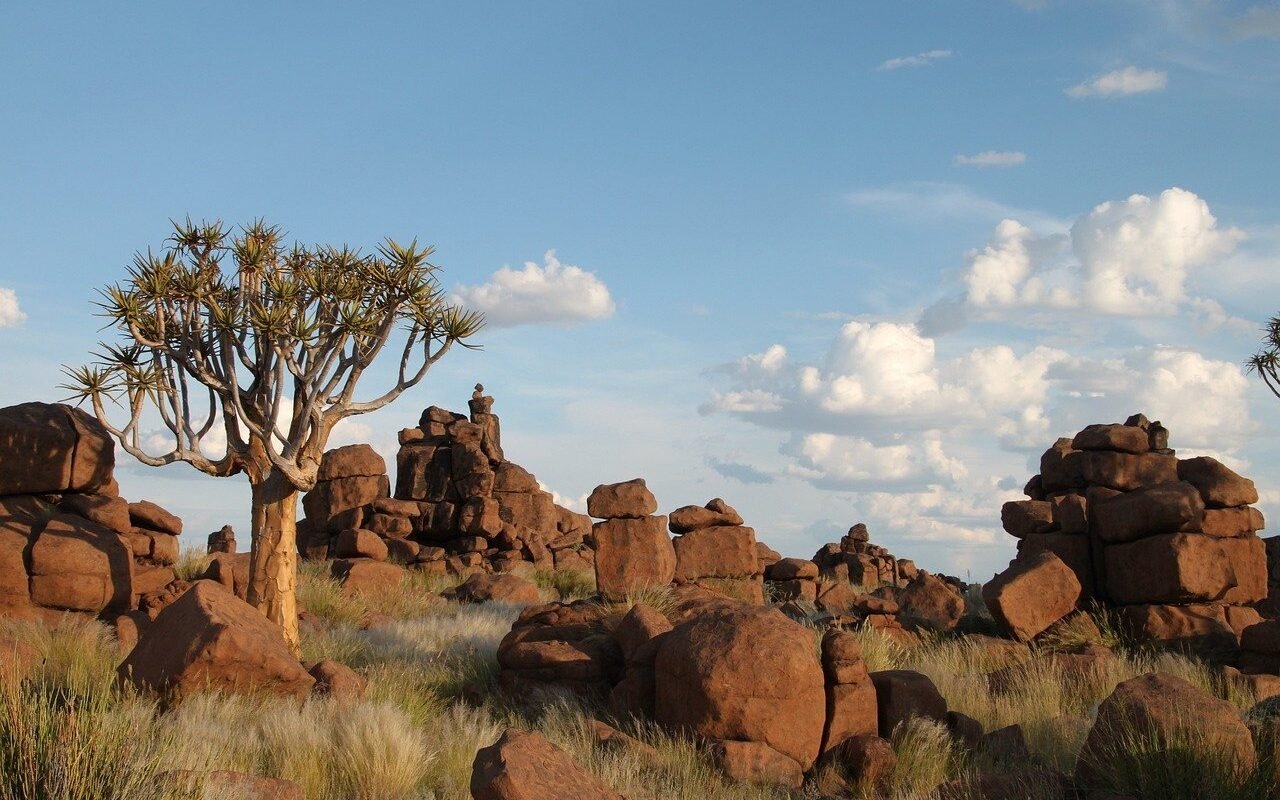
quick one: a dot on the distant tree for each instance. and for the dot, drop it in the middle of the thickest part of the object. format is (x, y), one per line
(1266, 362)
(268, 342)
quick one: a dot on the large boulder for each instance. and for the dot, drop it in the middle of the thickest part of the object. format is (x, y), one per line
(354, 460)
(525, 766)
(851, 696)
(742, 673)
(80, 566)
(717, 552)
(629, 499)
(1169, 568)
(632, 554)
(499, 588)
(1032, 594)
(1163, 508)
(1122, 438)
(53, 448)
(1218, 484)
(209, 639)
(902, 694)
(716, 513)
(928, 602)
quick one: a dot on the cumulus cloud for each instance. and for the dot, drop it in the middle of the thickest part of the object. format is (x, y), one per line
(1121, 82)
(10, 312)
(993, 158)
(918, 60)
(553, 293)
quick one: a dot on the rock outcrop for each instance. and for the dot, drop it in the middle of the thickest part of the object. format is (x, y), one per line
(633, 550)
(1170, 543)
(714, 550)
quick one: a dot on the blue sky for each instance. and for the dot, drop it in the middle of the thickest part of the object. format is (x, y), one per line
(796, 290)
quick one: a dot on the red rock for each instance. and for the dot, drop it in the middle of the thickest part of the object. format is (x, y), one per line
(80, 566)
(18, 523)
(224, 540)
(792, 568)
(1171, 568)
(720, 552)
(1164, 707)
(329, 499)
(1264, 637)
(338, 681)
(1025, 517)
(929, 603)
(609, 738)
(402, 551)
(480, 516)
(1228, 522)
(360, 575)
(632, 554)
(387, 526)
(109, 512)
(869, 760)
(53, 448)
(231, 571)
(1198, 626)
(1074, 550)
(146, 514)
(359, 543)
(1162, 508)
(1218, 484)
(756, 762)
(513, 478)
(1070, 513)
(1248, 557)
(1032, 594)
(499, 588)
(208, 639)
(1123, 438)
(1123, 471)
(805, 590)
(222, 783)
(902, 694)
(743, 673)
(638, 633)
(525, 766)
(851, 697)
(630, 499)
(692, 518)
(351, 461)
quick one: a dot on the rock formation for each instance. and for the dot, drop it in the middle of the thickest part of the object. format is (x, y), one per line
(459, 506)
(1170, 543)
(714, 550)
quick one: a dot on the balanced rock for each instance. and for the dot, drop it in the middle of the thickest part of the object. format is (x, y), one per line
(627, 500)
(1032, 594)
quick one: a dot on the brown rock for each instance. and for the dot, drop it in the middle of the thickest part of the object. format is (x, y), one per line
(851, 697)
(792, 568)
(81, 566)
(1007, 744)
(1220, 486)
(805, 590)
(223, 783)
(1123, 471)
(638, 632)
(902, 694)
(1162, 508)
(630, 500)
(231, 571)
(498, 588)
(692, 518)
(514, 478)
(1171, 568)
(743, 673)
(1025, 517)
(1074, 550)
(1248, 557)
(338, 681)
(1202, 627)
(329, 499)
(929, 603)
(222, 540)
(109, 512)
(359, 543)
(1164, 707)
(1122, 438)
(756, 762)
(1070, 513)
(869, 760)
(1229, 522)
(351, 461)
(1032, 594)
(965, 730)
(632, 554)
(402, 551)
(53, 448)
(146, 514)
(210, 639)
(719, 552)
(362, 575)
(525, 766)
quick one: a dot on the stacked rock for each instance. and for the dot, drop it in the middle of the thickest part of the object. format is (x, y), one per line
(856, 560)
(68, 541)
(222, 540)
(1170, 543)
(459, 507)
(633, 550)
(714, 550)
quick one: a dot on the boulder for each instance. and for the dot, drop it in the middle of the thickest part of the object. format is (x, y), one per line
(105, 510)
(222, 540)
(632, 554)
(1122, 471)
(787, 569)
(1230, 522)
(1162, 508)
(1199, 626)
(1122, 438)
(902, 694)
(146, 514)
(227, 784)
(210, 639)
(1217, 483)
(716, 513)
(627, 500)
(1169, 568)
(364, 576)
(525, 766)
(869, 760)
(81, 566)
(351, 461)
(638, 631)
(756, 762)
(53, 448)
(851, 696)
(338, 681)
(1025, 517)
(929, 603)
(496, 588)
(1073, 549)
(1032, 594)
(719, 552)
(1166, 708)
(743, 673)
(359, 543)
(231, 570)
(1248, 557)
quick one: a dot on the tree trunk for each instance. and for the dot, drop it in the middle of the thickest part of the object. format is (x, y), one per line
(273, 560)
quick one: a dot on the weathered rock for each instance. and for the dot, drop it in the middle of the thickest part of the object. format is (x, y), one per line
(632, 554)
(1230, 522)
(1201, 627)
(359, 543)
(1164, 707)
(1248, 558)
(338, 681)
(929, 603)
(525, 766)
(851, 697)
(1162, 508)
(1026, 517)
(1073, 549)
(756, 762)
(53, 448)
(627, 500)
(743, 673)
(80, 566)
(498, 588)
(146, 514)
(638, 633)
(902, 694)
(1218, 484)
(222, 540)
(107, 511)
(1170, 568)
(1123, 471)
(787, 569)
(231, 571)
(1123, 438)
(869, 760)
(362, 575)
(719, 552)
(692, 518)
(210, 639)
(1032, 594)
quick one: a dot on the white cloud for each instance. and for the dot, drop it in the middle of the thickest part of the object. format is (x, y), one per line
(926, 201)
(918, 60)
(10, 312)
(993, 158)
(553, 293)
(1120, 82)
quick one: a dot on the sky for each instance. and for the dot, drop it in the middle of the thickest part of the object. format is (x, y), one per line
(833, 262)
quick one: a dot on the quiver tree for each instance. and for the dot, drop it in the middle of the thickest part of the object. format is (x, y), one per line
(240, 336)
(1266, 362)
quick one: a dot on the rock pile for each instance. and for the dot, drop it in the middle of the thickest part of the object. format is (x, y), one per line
(1116, 517)
(68, 541)
(714, 550)
(459, 506)
(633, 550)
(856, 560)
